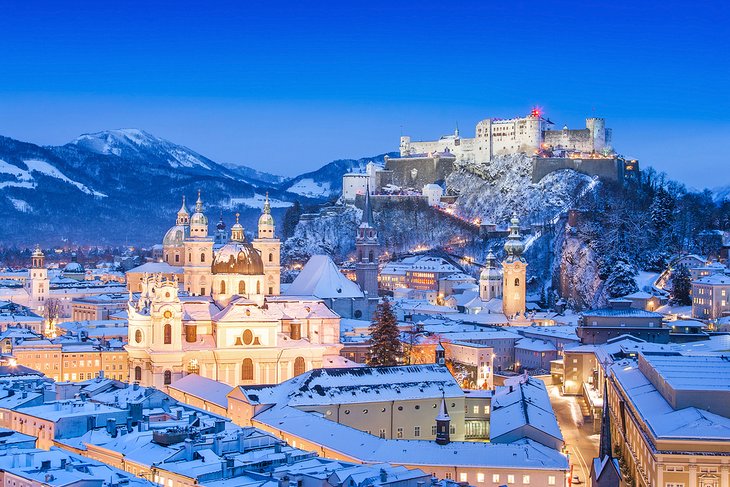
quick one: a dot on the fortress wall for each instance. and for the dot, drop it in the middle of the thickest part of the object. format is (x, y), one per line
(415, 172)
(607, 169)
(581, 140)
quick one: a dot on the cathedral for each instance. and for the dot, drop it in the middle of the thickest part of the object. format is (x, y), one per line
(222, 315)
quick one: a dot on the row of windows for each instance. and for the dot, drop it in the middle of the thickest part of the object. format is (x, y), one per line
(497, 478)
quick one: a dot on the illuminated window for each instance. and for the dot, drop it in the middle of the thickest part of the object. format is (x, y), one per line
(480, 477)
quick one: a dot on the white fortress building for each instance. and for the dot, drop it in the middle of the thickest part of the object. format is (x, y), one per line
(496, 137)
(225, 320)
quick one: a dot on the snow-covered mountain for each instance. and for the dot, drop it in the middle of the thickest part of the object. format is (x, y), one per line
(116, 187)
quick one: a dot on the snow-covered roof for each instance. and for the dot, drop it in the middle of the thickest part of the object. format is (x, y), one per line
(521, 454)
(156, 268)
(534, 345)
(525, 403)
(664, 421)
(358, 385)
(320, 277)
(714, 280)
(207, 389)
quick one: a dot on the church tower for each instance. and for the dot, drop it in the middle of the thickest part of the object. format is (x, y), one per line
(39, 284)
(514, 269)
(270, 249)
(198, 253)
(173, 245)
(443, 424)
(367, 249)
(490, 280)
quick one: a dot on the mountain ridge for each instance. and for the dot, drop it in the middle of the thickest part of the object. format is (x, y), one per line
(124, 186)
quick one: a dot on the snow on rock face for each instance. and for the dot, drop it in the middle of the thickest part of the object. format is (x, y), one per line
(493, 191)
(575, 272)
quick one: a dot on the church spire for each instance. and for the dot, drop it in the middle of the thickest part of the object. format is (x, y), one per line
(604, 449)
(183, 217)
(514, 245)
(267, 205)
(199, 204)
(367, 212)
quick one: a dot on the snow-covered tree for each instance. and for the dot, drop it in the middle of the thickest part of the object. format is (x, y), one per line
(662, 210)
(385, 348)
(621, 280)
(681, 286)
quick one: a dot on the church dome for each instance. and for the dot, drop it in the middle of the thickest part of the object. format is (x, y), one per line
(199, 218)
(238, 258)
(73, 267)
(266, 219)
(175, 235)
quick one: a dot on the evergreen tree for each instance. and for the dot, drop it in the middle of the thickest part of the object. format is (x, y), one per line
(662, 210)
(621, 280)
(385, 348)
(681, 286)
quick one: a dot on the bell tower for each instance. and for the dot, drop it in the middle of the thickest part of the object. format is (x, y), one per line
(514, 269)
(367, 251)
(38, 282)
(198, 254)
(270, 249)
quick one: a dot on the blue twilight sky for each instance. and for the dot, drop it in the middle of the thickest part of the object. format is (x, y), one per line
(287, 86)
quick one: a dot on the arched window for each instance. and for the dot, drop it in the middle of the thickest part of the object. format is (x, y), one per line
(299, 366)
(242, 287)
(223, 287)
(258, 287)
(247, 369)
(517, 282)
(167, 377)
(168, 334)
(138, 336)
(370, 256)
(271, 257)
(202, 257)
(138, 373)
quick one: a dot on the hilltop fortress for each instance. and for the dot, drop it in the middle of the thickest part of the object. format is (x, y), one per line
(496, 137)
(585, 150)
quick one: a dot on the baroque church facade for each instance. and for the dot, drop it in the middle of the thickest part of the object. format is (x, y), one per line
(222, 317)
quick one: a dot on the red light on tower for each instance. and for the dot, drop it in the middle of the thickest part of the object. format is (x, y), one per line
(536, 112)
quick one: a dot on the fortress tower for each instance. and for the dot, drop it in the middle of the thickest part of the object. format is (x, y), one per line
(597, 129)
(514, 269)
(367, 248)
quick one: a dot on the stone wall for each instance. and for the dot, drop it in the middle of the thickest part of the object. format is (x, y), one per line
(416, 172)
(607, 169)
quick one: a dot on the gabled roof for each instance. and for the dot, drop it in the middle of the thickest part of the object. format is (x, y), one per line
(321, 278)
(203, 388)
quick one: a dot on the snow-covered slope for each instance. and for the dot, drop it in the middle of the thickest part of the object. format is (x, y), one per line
(135, 144)
(492, 192)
